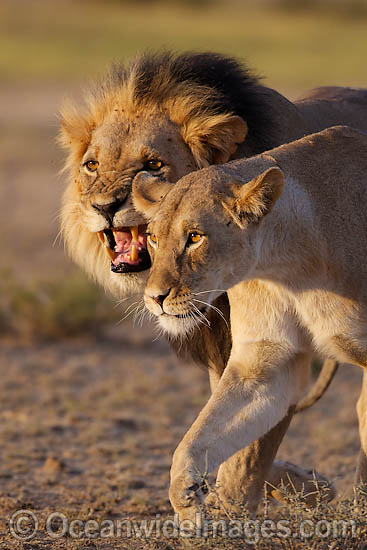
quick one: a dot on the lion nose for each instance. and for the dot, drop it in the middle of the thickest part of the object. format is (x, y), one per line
(109, 210)
(160, 298)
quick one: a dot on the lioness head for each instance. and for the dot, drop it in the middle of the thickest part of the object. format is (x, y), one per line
(167, 115)
(204, 240)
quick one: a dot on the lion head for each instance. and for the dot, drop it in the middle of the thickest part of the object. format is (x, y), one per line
(165, 114)
(203, 240)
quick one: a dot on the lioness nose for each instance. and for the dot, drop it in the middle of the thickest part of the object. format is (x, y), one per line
(161, 297)
(110, 209)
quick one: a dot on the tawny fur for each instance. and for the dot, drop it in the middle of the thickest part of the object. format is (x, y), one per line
(284, 233)
(189, 110)
(185, 124)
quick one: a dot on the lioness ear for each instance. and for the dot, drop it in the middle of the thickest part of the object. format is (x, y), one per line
(255, 199)
(147, 193)
(214, 139)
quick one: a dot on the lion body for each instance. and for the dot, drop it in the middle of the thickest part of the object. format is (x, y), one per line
(285, 234)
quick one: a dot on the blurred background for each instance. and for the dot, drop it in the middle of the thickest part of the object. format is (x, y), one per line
(50, 49)
(92, 410)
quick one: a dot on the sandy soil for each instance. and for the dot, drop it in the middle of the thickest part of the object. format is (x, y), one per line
(88, 428)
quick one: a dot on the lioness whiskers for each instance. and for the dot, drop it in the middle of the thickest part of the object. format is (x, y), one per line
(217, 310)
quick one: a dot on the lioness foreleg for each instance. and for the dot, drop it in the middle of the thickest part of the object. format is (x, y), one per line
(252, 396)
(241, 478)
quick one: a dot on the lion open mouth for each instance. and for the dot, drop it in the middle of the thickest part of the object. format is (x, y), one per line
(126, 248)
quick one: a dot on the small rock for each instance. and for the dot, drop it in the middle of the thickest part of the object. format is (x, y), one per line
(52, 465)
(126, 423)
(135, 484)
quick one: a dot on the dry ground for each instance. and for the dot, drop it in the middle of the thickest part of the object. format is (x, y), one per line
(88, 429)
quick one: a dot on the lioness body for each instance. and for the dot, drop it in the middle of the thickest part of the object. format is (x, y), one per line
(189, 111)
(302, 251)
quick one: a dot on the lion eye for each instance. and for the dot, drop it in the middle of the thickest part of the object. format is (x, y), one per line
(91, 165)
(153, 164)
(152, 240)
(194, 238)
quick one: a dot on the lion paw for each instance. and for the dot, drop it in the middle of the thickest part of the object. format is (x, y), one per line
(187, 495)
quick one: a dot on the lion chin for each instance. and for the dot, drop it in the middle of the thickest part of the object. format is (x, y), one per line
(178, 326)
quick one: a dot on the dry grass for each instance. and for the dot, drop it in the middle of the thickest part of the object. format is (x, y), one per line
(293, 526)
(294, 48)
(53, 308)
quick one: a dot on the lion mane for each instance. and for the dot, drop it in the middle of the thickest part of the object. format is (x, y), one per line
(199, 91)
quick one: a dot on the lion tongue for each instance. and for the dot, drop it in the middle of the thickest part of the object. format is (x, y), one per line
(123, 240)
(127, 246)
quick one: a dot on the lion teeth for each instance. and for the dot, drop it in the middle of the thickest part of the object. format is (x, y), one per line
(135, 233)
(111, 254)
(134, 254)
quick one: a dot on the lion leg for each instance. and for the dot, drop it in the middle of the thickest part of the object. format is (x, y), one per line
(240, 480)
(361, 473)
(251, 398)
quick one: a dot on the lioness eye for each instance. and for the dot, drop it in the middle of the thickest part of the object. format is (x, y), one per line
(194, 238)
(91, 165)
(152, 240)
(153, 164)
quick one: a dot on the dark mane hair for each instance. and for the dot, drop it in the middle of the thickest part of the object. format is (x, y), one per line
(229, 87)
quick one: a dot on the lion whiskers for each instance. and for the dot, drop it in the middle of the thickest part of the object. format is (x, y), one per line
(142, 315)
(200, 314)
(122, 300)
(207, 291)
(57, 238)
(217, 310)
(133, 310)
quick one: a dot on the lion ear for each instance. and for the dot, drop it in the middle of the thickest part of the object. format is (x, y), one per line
(214, 139)
(147, 193)
(75, 130)
(254, 200)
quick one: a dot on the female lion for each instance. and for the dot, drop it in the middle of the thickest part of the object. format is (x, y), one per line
(289, 227)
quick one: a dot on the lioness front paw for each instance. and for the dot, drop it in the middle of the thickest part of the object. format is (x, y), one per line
(187, 494)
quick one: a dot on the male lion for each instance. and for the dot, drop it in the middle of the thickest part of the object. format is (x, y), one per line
(171, 115)
(285, 234)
